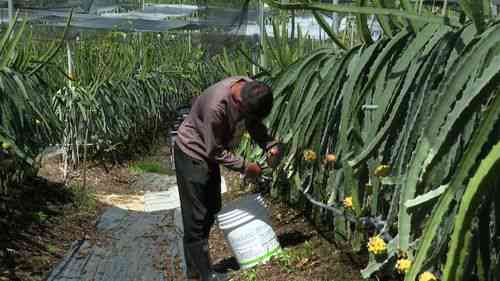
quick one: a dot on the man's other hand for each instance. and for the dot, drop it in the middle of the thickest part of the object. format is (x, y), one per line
(253, 171)
(274, 155)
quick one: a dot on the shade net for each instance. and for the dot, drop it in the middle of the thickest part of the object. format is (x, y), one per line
(134, 16)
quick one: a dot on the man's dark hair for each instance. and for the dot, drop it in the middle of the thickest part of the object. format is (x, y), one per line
(257, 99)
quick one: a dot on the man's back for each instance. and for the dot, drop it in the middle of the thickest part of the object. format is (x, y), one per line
(211, 123)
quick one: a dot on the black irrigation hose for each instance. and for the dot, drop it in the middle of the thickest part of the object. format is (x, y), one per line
(376, 224)
(334, 210)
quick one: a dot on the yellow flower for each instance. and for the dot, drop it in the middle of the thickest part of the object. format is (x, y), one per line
(347, 202)
(382, 170)
(37, 121)
(309, 155)
(376, 245)
(403, 265)
(330, 158)
(6, 145)
(427, 276)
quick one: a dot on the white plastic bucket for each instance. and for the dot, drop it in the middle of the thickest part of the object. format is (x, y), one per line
(246, 226)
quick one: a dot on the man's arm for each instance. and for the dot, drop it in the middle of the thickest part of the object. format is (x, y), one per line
(272, 147)
(260, 134)
(213, 139)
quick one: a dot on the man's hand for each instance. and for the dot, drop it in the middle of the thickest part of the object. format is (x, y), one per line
(253, 171)
(274, 155)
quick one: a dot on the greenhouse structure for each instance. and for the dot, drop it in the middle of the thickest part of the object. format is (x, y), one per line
(245, 140)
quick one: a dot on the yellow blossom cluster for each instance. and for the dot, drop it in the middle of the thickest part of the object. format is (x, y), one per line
(6, 145)
(330, 158)
(427, 276)
(403, 265)
(347, 202)
(382, 170)
(309, 155)
(376, 245)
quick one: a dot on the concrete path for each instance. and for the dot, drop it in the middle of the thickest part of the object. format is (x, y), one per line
(131, 245)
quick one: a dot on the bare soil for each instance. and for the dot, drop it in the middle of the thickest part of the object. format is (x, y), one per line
(46, 219)
(306, 255)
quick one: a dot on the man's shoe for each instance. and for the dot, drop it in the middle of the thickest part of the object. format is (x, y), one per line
(199, 254)
(193, 276)
(192, 273)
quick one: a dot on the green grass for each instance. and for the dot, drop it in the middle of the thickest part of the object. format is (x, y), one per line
(83, 199)
(39, 217)
(288, 258)
(148, 167)
(53, 249)
(250, 274)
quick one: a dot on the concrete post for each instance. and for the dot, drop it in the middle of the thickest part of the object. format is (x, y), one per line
(335, 19)
(71, 66)
(261, 31)
(10, 5)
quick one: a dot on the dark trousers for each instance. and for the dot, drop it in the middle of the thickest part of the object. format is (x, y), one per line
(200, 195)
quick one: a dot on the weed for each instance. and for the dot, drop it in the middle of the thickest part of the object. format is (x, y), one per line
(83, 199)
(53, 249)
(307, 249)
(39, 216)
(286, 260)
(250, 274)
(289, 258)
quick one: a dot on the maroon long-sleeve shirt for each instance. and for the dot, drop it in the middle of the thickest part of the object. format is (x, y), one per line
(208, 130)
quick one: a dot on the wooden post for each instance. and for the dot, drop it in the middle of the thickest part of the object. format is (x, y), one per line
(68, 132)
(85, 144)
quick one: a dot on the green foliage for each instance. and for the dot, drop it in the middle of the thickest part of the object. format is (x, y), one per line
(289, 258)
(324, 24)
(478, 11)
(426, 104)
(118, 111)
(84, 199)
(388, 24)
(53, 249)
(424, 100)
(279, 52)
(286, 260)
(362, 24)
(235, 62)
(27, 121)
(480, 185)
(93, 107)
(408, 13)
(39, 217)
(251, 274)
